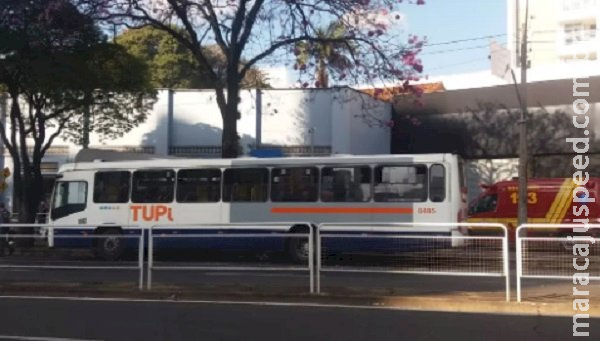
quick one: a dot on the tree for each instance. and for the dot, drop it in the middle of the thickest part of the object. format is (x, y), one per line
(172, 65)
(55, 65)
(116, 94)
(259, 30)
(329, 57)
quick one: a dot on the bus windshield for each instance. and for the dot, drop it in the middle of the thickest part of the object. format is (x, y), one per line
(69, 197)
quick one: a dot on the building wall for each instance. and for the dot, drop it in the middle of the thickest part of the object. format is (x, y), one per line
(289, 115)
(376, 133)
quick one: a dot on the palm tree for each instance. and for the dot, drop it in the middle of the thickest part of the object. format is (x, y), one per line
(330, 57)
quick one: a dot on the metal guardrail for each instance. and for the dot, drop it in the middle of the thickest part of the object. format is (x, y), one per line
(499, 268)
(260, 226)
(484, 255)
(549, 254)
(140, 238)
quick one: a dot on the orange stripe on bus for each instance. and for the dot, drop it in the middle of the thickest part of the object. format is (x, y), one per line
(343, 210)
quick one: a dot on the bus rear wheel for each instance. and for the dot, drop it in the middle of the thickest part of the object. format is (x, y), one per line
(298, 247)
(109, 248)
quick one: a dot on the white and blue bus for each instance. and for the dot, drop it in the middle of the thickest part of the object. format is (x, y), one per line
(198, 192)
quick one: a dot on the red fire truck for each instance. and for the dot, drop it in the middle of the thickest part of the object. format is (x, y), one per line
(550, 201)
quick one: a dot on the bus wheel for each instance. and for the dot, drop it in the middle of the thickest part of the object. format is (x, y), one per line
(297, 247)
(109, 248)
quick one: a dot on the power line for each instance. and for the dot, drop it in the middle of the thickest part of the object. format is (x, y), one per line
(470, 61)
(464, 40)
(456, 50)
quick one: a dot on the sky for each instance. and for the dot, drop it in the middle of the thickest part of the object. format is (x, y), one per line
(443, 22)
(446, 21)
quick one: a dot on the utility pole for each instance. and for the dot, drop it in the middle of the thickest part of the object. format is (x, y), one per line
(3, 111)
(258, 118)
(523, 125)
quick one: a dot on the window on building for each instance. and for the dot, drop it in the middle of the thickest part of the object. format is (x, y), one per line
(199, 185)
(245, 185)
(346, 184)
(400, 183)
(153, 186)
(437, 183)
(579, 5)
(578, 32)
(295, 184)
(111, 187)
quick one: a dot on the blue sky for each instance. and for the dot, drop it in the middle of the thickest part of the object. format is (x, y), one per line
(445, 20)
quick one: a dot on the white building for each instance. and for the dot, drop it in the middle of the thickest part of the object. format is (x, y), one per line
(557, 29)
(302, 122)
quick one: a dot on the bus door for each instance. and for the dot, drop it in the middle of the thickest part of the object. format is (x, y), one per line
(111, 198)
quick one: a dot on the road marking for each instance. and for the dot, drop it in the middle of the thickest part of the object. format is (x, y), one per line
(375, 306)
(225, 302)
(38, 338)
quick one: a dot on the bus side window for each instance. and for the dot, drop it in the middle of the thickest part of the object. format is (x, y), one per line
(437, 183)
(346, 184)
(199, 185)
(111, 187)
(400, 183)
(294, 184)
(153, 186)
(245, 184)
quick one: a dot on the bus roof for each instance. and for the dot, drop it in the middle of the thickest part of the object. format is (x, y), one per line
(249, 161)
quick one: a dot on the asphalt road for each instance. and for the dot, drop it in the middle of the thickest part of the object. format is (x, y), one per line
(44, 319)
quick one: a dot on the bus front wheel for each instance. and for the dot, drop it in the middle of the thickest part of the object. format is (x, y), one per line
(111, 247)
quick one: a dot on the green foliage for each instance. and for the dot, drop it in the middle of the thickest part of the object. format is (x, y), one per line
(172, 65)
(119, 93)
(55, 65)
(327, 56)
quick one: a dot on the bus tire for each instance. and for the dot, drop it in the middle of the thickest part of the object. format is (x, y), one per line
(109, 248)
(297, 247)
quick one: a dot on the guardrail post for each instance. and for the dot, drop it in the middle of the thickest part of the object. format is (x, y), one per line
(519, 261)
(311, 258)
(319, 259)
(506, 262)
(141, 258)
(150, 258)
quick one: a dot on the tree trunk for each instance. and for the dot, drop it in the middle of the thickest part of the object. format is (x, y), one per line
(230, 141)
(34, 197)
(15, 111)
(322, 76)
(86, 119)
